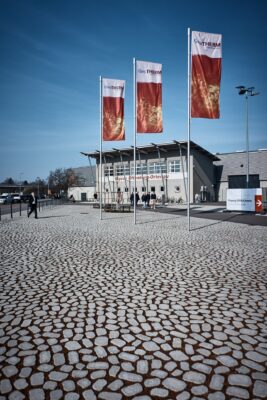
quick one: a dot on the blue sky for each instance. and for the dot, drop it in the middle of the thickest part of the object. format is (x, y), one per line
(53, 52)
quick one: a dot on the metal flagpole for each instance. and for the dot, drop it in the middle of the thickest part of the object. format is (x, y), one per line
(247, 145)
(101, 130)
(188, 128)
(134, 104)
(182, 165)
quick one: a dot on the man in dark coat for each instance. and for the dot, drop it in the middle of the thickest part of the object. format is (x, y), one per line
(33, 204)
(144, 199)
(147, 199)
(132, 199)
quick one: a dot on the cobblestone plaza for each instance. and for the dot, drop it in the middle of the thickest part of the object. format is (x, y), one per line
(110, 310)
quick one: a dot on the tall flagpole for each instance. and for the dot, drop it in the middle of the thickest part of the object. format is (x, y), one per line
(134, 104)
(188, 128)
(101, 131)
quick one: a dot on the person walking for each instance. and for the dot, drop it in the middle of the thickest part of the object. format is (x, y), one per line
(148, 197)
(144, 199)
(132, 198)
(33, 205)
(137, 198)
(153, 198)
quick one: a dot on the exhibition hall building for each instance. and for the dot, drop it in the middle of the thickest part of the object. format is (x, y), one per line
(162, 168)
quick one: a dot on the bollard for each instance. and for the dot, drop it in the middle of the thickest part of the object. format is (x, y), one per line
(20, 208)
(11, 210)
(0, 212)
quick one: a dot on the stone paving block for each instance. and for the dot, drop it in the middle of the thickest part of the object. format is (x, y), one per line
(110, 310)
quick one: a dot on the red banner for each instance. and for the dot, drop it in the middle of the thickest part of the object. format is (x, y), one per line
(149, 97)
(113, 110)
(206, 75)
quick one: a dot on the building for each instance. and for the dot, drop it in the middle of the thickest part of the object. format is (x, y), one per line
(163, 168)
(160, 168)
(86, 189)
(11, 188)
(231, 171)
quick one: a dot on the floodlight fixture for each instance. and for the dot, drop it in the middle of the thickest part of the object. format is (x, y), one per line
(248, 92)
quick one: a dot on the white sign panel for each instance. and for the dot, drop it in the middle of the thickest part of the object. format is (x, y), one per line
(242, 199)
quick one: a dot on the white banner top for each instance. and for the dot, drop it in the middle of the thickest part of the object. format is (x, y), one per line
(207, 44)
(113, 88)
(147, 72)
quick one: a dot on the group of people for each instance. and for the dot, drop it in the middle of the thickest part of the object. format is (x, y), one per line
(148, 200)
(137, 198)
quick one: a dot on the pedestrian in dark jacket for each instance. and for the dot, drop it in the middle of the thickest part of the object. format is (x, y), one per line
(144, 199)
(132, 199)
(33, 204)
(153, 201)
(147, 199)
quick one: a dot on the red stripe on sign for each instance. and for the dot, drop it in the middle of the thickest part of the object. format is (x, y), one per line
(258, 202)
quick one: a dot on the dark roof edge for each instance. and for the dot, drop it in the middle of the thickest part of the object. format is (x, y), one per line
(240, 152)
(193, 145)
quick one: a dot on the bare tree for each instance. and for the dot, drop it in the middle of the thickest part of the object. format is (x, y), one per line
(61, 179)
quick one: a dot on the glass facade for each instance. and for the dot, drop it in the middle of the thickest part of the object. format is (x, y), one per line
(122, 170)
(140, 169)
(108, 170)
(157, 167)
(175, 166)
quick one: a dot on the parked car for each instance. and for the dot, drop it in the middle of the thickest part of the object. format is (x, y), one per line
(15, 197)
(3, 199)
(25, 198)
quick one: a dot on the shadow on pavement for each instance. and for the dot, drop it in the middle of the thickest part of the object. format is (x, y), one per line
(52, 216)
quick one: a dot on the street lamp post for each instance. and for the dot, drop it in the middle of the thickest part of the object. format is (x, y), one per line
(242, 90)
(20, 176)
(38, 180)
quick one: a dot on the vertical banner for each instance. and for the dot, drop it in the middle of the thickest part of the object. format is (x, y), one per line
(206, 75)
(113, 92)
(149, 97)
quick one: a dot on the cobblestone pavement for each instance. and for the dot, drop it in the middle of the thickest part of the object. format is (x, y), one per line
(107, 310)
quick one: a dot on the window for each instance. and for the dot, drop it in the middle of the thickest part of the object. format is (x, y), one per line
(108, 170)
(143, 189)
(152, 189)
(240, 181)
(162, 188)
(141, 169)
(175, 166)
(126, 189)
(122, 170)
(157, 168)
(119, 170)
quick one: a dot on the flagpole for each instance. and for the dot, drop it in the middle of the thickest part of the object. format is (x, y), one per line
(134, 104)
(188, 128)
(101, 130)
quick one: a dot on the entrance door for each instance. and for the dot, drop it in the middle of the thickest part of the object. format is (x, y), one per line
(83, 197)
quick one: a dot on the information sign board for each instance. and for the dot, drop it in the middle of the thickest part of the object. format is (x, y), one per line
(244, 200)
